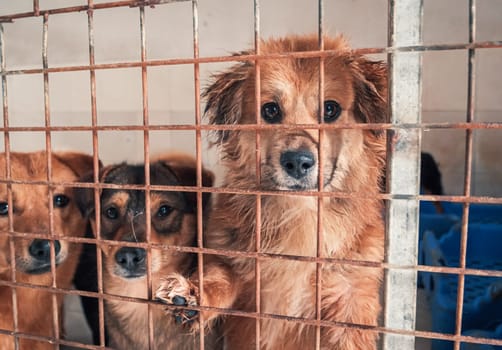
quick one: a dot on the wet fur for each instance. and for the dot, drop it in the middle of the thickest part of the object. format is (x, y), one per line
(127, 322)
(31, 215)
(352, 228)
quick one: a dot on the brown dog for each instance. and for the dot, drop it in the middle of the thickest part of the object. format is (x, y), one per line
(123, 218)
(352, 227)
(30, 214)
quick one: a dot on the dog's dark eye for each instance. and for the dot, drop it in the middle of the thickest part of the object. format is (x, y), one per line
(112, 213)
(164, 211)
(271, 112)
(61, 201)
(332, 111)
(4, 208)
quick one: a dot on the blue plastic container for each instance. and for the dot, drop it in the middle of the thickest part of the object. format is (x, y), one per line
(482, 309)
(478, 213)
(438, 224)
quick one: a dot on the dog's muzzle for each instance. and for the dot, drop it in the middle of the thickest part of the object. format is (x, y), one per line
(40, 251)
(297, 164)
(131, 262)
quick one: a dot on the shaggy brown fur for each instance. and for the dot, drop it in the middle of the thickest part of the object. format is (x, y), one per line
(123, 218)
(352, 228)
(32, 256)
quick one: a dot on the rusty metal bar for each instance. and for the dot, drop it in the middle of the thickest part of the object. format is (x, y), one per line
(8, 176)
(95, 152)
(254, 57)
(429, 335)
(36, 8)
(403, 153)
(105, 5)
(320, 180)
(258, 218)
(471, 96)
(252, 255)
(253, 127)
(50, 189)
(198, 154)
(230, 190)
(146, 158)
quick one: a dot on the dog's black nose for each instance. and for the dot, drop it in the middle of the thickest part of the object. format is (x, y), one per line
(130, 258)
(297, 164)
(40, 249)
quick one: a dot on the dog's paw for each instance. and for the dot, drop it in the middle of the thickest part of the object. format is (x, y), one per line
(177, 290)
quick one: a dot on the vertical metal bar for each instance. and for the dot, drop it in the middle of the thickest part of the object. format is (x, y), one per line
(198, 154)
(146, 156)
(36, 8)
(50, 189)
(95, 151)
(404, 145)
(320, 180)
(471, 90)
(48, 147)
(8, 176)
(257, 44)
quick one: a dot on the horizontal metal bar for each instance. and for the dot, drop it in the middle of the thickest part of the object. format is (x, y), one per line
(230, 190)
(252, 57)
(259, 127)
(306, 321)
(51, 340)
(255, 255)
(100, 6)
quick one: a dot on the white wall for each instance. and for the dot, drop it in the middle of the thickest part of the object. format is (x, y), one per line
(227, 26)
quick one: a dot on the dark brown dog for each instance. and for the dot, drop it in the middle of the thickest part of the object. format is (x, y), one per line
(123, 218)
(30, 214)
(352, 226)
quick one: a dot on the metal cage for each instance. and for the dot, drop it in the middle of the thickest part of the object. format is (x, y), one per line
(404, 52)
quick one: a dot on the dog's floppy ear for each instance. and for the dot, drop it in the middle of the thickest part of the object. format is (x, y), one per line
(370, 88)
(224, 97)
(79, 163)
(185, 169)
(187, 175)
(85, 196)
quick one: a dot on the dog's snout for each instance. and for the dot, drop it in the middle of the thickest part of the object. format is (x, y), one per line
(130, 258)
(297, 164)
(40, 249)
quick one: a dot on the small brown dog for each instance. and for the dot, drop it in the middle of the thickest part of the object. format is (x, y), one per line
(123, 218)
(355, 91)
(30, 214)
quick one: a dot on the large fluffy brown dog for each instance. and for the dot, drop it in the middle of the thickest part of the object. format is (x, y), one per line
(30, 214)
(352, 227)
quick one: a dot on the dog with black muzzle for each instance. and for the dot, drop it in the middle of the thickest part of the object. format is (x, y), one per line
(30, 215)
(123, 218)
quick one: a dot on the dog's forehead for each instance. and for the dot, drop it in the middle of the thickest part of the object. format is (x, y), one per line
(33, 167)
(118, 197)
(126, 174)
(160, 174)
(297, 84)
(135, 175)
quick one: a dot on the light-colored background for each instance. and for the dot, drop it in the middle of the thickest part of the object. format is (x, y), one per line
(227, 26)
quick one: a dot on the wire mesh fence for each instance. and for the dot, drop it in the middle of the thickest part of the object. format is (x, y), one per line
(402, 196)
